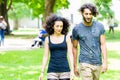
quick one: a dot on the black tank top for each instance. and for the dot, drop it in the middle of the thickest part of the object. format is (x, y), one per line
(58, 57)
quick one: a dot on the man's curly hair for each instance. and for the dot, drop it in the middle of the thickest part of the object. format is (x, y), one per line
(51, 21)
(91, 7)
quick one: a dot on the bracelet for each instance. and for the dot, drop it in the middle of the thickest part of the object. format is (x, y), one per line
(42, 71)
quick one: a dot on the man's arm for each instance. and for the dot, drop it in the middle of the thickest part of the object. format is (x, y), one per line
(75, 53)
(104, 53)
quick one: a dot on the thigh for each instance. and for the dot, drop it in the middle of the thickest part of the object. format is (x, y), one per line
(86, 71)
(96, 72)
(65, 76)
(52, 76)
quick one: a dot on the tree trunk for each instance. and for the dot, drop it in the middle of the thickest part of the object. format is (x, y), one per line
(3, 12)
(49, 5)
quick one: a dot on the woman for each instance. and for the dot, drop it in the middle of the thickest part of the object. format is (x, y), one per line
(58, 43)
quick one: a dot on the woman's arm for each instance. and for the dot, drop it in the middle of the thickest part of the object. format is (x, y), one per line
(70, 54)
(45, 57)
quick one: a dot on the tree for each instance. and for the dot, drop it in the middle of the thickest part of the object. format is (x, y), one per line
(104, 9)
(5, 5)
(46, 7)
(18, 11)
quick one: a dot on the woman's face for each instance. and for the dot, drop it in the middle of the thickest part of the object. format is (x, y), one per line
(58, 26)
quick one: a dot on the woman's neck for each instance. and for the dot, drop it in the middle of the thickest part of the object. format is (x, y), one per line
(57, 35)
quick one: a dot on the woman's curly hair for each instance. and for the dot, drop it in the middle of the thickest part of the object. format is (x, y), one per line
(51, 21)
(91, 7)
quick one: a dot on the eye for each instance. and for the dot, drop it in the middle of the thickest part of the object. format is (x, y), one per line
(61, 26)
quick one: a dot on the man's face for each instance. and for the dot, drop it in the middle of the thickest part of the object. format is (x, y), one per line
(87, 15)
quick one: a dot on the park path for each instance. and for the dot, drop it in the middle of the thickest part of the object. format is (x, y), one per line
(16, 44)
(24, 44)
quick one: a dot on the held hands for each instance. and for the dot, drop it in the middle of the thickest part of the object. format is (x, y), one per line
(76, 71)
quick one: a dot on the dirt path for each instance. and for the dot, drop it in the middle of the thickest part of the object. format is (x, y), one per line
(16, 44)
(23, 44)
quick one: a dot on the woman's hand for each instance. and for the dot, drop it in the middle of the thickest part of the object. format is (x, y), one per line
(72, 75)
(41, 76)
(76, 71)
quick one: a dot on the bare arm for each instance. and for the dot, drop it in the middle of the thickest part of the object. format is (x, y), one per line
(104, 53)
(69, 44)
(75, 53)
(45, 58)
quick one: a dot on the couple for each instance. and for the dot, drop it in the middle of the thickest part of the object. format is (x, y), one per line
(89, 34)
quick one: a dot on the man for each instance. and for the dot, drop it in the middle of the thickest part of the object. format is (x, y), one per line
(111, 25)
(90, 35)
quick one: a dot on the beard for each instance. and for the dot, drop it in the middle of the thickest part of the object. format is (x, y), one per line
(87, 20)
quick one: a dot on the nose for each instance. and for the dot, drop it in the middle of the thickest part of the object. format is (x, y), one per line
(59, 27)
(88, 16)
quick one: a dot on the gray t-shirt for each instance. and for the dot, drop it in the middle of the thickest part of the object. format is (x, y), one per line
(89, 40)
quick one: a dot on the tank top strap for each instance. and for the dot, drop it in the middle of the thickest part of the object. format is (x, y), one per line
(49, 39)
(64, 38)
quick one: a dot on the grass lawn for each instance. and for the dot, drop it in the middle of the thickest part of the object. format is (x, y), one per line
(26, 65)
(20, 65)
(110, 38)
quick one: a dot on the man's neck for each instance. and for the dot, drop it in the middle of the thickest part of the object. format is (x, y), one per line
(87, 24)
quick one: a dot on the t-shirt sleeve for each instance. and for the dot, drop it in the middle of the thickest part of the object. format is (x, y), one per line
(102, 29)
(74, 34)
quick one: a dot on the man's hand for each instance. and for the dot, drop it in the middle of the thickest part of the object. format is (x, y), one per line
(104, 67)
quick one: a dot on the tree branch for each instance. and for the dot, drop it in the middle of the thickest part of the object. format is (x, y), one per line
(9, 5)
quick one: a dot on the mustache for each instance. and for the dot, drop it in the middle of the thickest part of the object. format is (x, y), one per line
(85, 19)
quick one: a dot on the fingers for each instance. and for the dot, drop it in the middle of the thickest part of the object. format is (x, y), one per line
(103, 70)
(77, 74)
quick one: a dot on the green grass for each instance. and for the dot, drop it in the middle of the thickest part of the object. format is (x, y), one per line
(110, 38)
(20, 65)
(26, 65)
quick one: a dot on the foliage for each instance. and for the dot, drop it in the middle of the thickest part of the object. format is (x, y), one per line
(37, 6)
(104, 8)
(64, 3)
(19, 10)
(116, 23)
